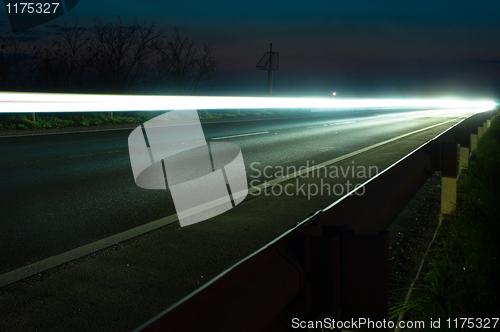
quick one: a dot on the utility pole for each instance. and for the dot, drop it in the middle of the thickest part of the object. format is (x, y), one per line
(270, 71)
(270, 62)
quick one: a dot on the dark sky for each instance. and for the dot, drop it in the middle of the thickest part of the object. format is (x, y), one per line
(356, 47)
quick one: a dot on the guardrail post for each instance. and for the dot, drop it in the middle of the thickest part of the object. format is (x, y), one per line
(484, 127)
(449, 172)
(463, 138)
(364, 276)
(480, 132)
(473, 142)
(463, 158)
(488, 123)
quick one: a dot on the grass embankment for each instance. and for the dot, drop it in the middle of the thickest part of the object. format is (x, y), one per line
(463, 268)
(60, 120)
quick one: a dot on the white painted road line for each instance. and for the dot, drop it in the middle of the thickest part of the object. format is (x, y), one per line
(335, 160)
(251, 134)
(54, 261)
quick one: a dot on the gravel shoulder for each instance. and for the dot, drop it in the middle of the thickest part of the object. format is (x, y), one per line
(411, 234)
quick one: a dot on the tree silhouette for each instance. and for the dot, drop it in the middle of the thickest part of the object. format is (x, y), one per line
(16, 66)
(109, 58)
(63, 66)
(123, 57)
(187, 65)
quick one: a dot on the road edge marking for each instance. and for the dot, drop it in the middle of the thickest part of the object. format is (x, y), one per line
(241, 135)
(268, 184)
(60, 259)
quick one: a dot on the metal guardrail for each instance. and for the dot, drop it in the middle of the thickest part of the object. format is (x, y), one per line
(334, 263)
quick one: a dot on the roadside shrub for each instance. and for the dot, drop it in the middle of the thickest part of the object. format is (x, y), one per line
(464, 265)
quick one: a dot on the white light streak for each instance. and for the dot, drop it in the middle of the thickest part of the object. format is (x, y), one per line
(48, 102)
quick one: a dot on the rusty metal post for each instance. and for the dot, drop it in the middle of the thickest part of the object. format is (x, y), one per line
(365, 276)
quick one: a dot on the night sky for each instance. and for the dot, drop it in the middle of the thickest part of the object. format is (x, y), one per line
(356, 48)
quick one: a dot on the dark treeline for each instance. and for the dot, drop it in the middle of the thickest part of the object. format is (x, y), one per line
(109, 58)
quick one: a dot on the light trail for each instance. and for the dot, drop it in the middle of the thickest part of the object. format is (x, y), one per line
(49, 102)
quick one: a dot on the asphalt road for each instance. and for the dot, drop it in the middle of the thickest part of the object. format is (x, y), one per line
(62, 191)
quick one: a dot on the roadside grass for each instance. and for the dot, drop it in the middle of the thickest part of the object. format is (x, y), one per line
(462, 274)
(21, 121)
(60, 120)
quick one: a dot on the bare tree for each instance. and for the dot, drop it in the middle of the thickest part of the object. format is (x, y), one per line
(122, 57)
(188, 66)
(109, 58)
(16, 65)
(62, 67)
